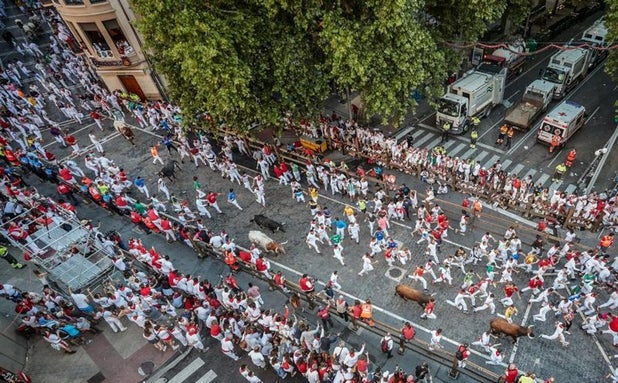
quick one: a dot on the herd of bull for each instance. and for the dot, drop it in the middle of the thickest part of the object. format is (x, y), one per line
(498, 326)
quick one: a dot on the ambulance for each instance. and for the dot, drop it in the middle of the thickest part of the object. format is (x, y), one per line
(564, 120)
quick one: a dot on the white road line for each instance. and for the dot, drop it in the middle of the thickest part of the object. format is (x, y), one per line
(592, 114)
(491, 161)
(187, 371)
(457, 149)
(425, 138)
(570, 189)
(530, 173)
(549, 165)
(73, 133)
(513, 95)
(491, 129)
(506, 164)
(517, 169)
(523, 323)
(544, 177)
(207, 378)
(449, 143)
(417, 133)
(480, 156)
(435, 142)
(468, 153)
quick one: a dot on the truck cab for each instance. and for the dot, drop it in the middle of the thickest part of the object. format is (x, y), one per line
(453, 108)
(595, 37)
(564, 120)
(566, 69)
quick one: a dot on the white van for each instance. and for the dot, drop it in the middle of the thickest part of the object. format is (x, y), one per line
(564, 120)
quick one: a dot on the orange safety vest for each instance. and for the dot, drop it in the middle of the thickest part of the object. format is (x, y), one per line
(606, 241)
(571, 156)
(367, 310)
(229, 258)
(154, 151)
(555, 140)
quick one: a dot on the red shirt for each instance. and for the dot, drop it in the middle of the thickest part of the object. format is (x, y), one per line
(510, 375)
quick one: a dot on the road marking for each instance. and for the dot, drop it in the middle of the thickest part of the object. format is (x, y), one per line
(491, 129)
(480, 157)
(491, 161)
(73, 133)
(513, 95)
(592, 114)
(530, 173)
(417, 134)
(207, 378)
(517, 169)
(187, 371)
(554, 159)
(523, 323)
(425, 138)
(458, 149)
(570, 189)
(435, 142)
(544, 177)
(506, 164)
(468, 154)
(448, 144)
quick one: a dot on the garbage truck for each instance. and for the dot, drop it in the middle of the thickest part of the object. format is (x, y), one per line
(535, 101)
(566, 69)
(473, 95)
(509, 57)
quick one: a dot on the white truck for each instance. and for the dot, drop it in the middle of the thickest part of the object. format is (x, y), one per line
(535, 100)
(509, 57)
(595, 38)
(566, 69)
(564, 120)
(475, 94)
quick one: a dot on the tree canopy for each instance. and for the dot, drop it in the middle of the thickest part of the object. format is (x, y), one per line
(254, 60)
(611, 22)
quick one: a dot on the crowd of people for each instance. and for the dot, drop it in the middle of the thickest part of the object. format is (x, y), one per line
(435, 166)
(175, 309)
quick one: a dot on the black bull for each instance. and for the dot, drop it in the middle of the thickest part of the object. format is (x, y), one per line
(267, 223)
(169, 170)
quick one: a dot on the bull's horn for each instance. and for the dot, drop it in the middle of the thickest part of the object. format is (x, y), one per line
(531, 326)
(283, 243)
(530, 337)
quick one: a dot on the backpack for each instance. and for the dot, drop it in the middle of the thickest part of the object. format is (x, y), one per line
(459, 354)
(384, 345)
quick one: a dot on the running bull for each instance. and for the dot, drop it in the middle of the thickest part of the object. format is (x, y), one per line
(500, 326)
(407, 292)
(266, 223)
(266, 243)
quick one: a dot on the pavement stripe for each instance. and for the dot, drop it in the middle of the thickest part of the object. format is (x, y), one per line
(425, 138)
(517, 169)
(530, 173)
(187, 371)
(418, 133)
(457, 149)
(468, 153)
(207, 378)
(491, 161)
(434, 143)
(448, 144)
(544, 177)
(570, 189)
(480, 156)
(506, 164)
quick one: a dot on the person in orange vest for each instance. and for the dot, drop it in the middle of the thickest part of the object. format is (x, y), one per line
(555, 142)
(230, 260)
(606, 242)
(367, 313)
(570, 158)
(154, 152)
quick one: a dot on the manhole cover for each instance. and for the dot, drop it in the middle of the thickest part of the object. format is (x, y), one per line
(395, 273)
(146, 368)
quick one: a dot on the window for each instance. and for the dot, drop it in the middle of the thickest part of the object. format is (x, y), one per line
(97, 40)
(97, 1)
(115, 32)
(73, 2)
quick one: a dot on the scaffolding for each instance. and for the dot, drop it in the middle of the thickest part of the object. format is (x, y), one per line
(67, 249)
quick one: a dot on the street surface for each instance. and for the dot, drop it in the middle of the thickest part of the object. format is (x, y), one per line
(585, 359)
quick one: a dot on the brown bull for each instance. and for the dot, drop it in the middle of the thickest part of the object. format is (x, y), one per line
(407, 292)
(499, 326)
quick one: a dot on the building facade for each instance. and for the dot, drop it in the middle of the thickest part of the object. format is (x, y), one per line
(112, 45)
